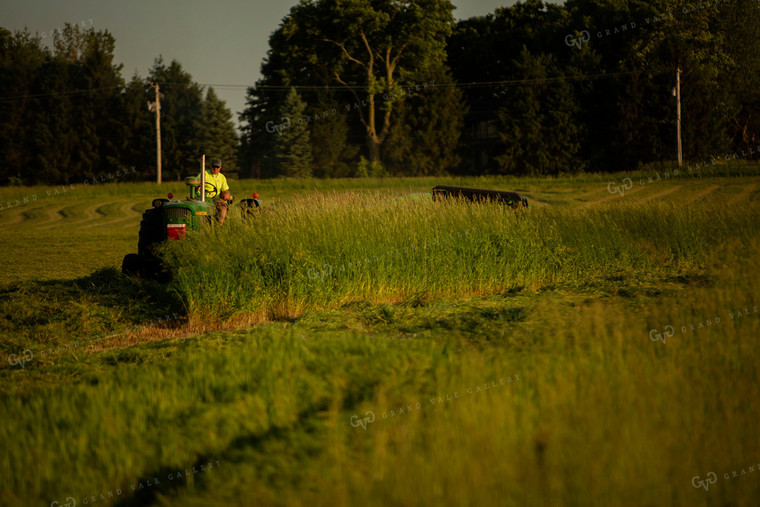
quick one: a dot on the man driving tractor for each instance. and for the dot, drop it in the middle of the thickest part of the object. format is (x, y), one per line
(217, 189)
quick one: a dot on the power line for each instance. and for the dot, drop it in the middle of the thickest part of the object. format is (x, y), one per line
(586, 77)
(58, 94)
(484, 84)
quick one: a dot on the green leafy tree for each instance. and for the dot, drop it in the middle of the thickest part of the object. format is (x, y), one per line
(97, 135)
(216, 132)
(689, 41)
(53, 143)
(356, 56)
(377, 46)
(288, 62)
(139, 143)
(292, 151)
(21, 58)
(539, 124)
(740, 23)
(329, 137)
(424, 138)
(255, 150)
(55, 127)
(487, 49)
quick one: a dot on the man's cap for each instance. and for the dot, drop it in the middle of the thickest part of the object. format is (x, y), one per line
(215, 162)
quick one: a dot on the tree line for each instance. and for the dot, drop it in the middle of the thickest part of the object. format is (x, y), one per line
(67, 115)
(389, 87)
(535, 88)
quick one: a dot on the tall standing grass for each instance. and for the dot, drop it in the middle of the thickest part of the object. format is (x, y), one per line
(325, 250)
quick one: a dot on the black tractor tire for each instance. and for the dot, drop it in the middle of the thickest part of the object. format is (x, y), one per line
(249, 208)
(151, 231)
(132, 265)
(154, 270)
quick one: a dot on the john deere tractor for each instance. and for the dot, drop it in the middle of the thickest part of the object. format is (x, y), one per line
(170, 219)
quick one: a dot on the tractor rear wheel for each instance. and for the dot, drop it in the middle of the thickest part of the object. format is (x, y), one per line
(151, 231)
(132, 265)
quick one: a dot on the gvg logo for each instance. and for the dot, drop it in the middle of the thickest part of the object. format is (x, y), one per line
(654, 335)
(712, 478)
(323, 273)
(614, 188)
(571, 40)
(70, 502)
(273, 127)
(356, 421)
(25, 357)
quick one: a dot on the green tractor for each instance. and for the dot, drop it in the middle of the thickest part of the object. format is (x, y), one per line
(170, 219)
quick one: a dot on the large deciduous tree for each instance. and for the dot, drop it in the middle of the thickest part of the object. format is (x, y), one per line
(356, 57)
(740, 24)
(686, 36)
(380, 44)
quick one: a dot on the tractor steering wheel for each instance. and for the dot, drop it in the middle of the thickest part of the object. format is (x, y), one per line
(211, 190)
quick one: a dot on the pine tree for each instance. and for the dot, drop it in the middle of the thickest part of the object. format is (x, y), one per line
(21, 58)
(97, 71)
(139, 145)
(539, 122)
(330, 139)
(291, 145)
(216, 132)
(180, 110)
(429, 119)
(255, 155)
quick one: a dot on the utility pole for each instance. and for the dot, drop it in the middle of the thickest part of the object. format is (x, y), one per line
(678, 114)
(158, 135)
(156, 106)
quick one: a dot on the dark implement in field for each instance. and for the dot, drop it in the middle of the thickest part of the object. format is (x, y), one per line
(512, 199)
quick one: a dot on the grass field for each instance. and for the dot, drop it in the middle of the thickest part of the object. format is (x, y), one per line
(349, 348)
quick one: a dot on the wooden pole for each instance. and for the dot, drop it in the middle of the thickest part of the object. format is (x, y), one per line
(158, 136)
(678, 114)
(203, 178)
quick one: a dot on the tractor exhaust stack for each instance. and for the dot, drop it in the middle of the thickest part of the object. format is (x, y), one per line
(203, 177)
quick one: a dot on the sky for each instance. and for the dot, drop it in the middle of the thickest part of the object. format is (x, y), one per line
(217, 42)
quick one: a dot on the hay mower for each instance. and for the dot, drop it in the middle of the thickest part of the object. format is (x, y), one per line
(511, 199)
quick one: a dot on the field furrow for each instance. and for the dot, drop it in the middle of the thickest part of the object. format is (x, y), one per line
(660, 194)
(712, 192)
(124, 215)
(743, 195)
(611, 197)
